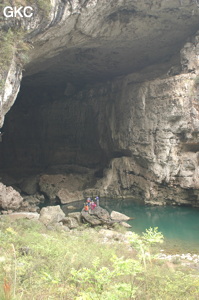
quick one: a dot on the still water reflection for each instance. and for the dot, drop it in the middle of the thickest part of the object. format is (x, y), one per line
(179, 225)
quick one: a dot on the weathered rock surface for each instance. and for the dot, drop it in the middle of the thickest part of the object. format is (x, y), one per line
(51, 215)
(126, 225)
(100, 216)
(30, 185)
(11, 83)
(66, 197)
(76, 216)
(9, 198)
(115, 215)
(91, 219)
(31, 203)
(96, 40)
(70, 222)
(65, 187)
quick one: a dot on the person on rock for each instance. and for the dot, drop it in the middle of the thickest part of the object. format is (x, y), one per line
(97, 201)
(86, 208)
(93, 205)
(88, 201)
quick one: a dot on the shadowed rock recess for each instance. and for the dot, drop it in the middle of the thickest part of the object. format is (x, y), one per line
(108, 105)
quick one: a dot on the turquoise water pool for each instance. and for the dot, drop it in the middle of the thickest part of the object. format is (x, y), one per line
(179, 225)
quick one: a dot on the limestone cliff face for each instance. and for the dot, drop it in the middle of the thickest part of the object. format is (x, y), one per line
(159, 132)
(109, 103)
(11, 73)
(156, 123)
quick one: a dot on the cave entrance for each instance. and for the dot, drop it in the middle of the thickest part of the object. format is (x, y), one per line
(51, 128)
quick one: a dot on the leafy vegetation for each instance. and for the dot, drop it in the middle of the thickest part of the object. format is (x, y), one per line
(39, 264)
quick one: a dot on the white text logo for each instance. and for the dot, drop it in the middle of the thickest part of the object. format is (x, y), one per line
(20, 12)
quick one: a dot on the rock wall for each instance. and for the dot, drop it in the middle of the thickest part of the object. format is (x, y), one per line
(156, 123)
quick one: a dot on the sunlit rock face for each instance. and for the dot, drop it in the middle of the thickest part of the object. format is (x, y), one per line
(97, 40)
(109, 104)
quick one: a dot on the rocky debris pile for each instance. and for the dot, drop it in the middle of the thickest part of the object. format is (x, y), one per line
(53, 216)
(20, 197)
(100, 216)
(11, 202)
(30, 193)
(27, 198)
(9, 198)
(65, 187)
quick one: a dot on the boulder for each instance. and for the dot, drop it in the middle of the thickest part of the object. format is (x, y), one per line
(101, 213)
(30, 203)
(118, 216)
(66, 197)
(91, 219)
(66, 187)
(51, 215)
(30, 185)
(9, 198)
(76, 216)
(126, 225)
(98, 216)
(70, 222)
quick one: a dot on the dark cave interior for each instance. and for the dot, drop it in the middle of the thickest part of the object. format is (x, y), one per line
(46, 128)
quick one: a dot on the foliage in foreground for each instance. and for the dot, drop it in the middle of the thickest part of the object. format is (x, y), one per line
(38, 264)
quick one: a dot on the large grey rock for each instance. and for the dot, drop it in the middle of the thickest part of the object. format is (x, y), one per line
(91, 219)
(51, 215)
(9, 198)
(101, 213)
(65, 187)
(76, 216)
(31, 203)
(66, 197)
(97, 216)
(119, 216)
(126, 225)
(30, 185)
(70, 222)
